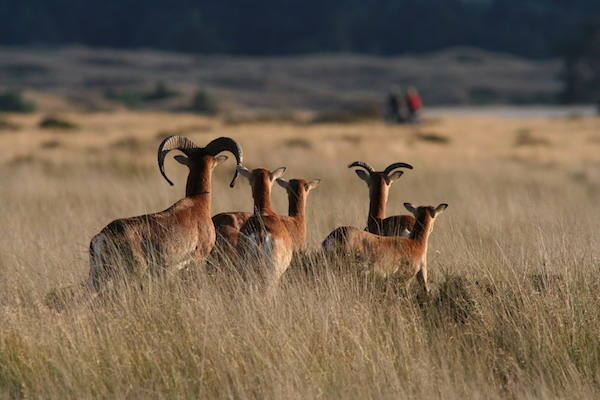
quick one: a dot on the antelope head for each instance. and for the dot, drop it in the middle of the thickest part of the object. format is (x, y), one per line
(200, 160)
(425, 215)
(298, 188)
(261, 181)
(379, 181)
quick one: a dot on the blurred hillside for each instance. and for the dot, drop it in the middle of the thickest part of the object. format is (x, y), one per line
(83, 78)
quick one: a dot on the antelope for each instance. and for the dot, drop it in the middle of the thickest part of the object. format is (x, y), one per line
(228, 224)
(168, 240)
(227, 227)
(295, 222)
(390, 255)
(265, 234)
(379, 183)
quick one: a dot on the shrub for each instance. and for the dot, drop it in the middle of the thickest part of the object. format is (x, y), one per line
(8, 126)
(129, 98)
(204, 103)
(299, 143)
(432, 138)
(526, 138)
(50, 144)
(135, 98)
(50, 122)
(455, 299)
(13, 101)
(160, 92)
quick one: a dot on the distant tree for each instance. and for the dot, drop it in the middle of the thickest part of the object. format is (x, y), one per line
(581, 71)
(13, 101)
(204, 103)
(160, 92)
(528, 28)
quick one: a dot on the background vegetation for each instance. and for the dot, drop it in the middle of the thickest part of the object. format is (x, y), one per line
(531, 28)
(91, 79)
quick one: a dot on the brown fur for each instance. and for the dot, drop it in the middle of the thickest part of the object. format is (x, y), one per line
(265, 234)
(163, 241)
(379, 183)
(390, 255)
(295, 222)
(227, 226)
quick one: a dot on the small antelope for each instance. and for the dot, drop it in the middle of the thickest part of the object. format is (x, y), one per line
(379, 183)
(227, 226)
(265, 232)
(390, 255)
(171, 239)
(295, 222)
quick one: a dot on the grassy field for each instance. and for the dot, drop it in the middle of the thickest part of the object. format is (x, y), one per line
(514, 265)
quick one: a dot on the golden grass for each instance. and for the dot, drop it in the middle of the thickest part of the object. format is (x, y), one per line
(515, 266)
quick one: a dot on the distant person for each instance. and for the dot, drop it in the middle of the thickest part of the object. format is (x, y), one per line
(414, 104)
(396, 110)
(392, 107)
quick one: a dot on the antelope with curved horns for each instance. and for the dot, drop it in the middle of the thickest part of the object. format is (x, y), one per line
(265, 234)
(379, 183)
(170, 239)
(390, 255)
(295, 222)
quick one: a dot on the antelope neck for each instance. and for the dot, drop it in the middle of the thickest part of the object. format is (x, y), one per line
(198, 186)
(199, 181)
(421, 229)
(378, 199)
(261, 193)
(296, 204)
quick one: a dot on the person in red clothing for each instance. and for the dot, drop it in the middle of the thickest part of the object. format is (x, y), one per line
(414, 103)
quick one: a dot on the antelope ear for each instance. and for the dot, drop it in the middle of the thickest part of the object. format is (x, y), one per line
(393, 176)
(283, 183)
(182, 160)
(410, 208)
(277, 173)
(313, 184)
(362, 175)
(243, 171)
(220, 159)
(440, 209)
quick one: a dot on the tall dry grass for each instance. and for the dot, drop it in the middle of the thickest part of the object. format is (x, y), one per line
(515, 267)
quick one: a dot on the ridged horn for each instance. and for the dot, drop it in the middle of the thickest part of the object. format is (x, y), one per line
(362, 164)
(173, 143)
(393, 166)
(226, 144)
